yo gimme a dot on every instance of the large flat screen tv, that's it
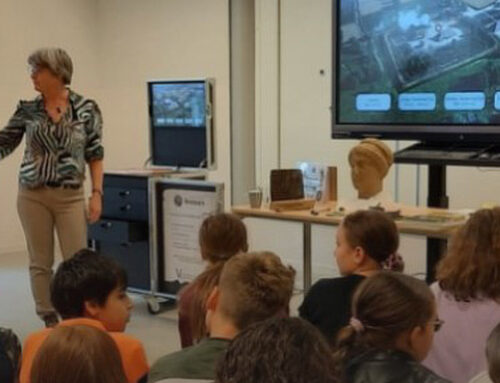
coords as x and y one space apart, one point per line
181 123
416 69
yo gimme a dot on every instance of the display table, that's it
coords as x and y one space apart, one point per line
427 222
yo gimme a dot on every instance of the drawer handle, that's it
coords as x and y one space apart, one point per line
125 244
126 207
124 193
106 225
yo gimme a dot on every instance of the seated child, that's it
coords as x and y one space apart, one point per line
252 287
89 289
365 240
78 354
221 236
278 350
10 354
492 374
467 293
493 354
391 330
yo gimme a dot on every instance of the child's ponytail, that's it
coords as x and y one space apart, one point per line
384 306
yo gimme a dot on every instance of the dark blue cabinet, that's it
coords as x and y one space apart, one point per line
122 233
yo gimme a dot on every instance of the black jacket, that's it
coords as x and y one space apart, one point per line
382 366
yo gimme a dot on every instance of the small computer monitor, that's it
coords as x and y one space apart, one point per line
181 122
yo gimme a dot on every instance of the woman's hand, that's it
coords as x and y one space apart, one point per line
94 208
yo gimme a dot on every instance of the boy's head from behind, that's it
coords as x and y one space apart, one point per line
221 236
90 285
365 239
252 287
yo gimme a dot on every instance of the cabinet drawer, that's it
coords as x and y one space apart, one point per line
118 232
123 203
134 258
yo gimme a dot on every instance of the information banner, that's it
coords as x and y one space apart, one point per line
183 213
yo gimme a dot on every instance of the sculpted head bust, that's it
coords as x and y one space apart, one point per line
370 161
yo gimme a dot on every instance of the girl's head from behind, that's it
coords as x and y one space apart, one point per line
471 268
493 354
222 236
390 311
365 239
78 354
278 350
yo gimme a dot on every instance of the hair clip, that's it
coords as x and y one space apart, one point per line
356 324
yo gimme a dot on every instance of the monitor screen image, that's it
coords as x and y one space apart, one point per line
406 68
179 104
180 123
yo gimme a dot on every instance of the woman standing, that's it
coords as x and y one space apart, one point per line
63 132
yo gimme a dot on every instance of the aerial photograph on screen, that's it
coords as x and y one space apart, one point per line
418 61
178 104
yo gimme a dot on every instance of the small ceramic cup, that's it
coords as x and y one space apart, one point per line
255 198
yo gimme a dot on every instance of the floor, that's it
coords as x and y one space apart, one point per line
158 332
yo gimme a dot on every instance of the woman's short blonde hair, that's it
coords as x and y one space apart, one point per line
55 59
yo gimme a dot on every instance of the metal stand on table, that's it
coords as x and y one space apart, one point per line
436 198
307 255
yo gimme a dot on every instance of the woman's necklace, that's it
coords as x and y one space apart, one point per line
56 108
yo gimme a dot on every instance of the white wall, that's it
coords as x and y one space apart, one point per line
267 101
116 46
24 26
160 39
242 99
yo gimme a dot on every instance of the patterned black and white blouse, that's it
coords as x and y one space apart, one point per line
55 153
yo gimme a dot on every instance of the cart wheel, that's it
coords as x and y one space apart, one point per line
153 305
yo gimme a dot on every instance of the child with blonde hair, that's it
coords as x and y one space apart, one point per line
252 287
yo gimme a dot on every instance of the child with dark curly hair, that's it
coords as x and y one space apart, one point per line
278 350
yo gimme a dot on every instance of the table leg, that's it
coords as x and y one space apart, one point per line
307 262
435 250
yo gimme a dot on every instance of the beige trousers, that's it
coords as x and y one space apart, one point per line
41 210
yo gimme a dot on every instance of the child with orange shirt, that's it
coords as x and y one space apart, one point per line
89 289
